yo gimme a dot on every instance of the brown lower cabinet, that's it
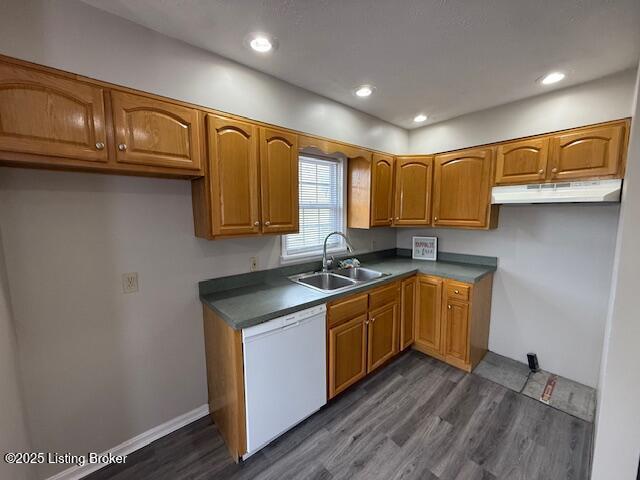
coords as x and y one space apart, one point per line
363 333
452 319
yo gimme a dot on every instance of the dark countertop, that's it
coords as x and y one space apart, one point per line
250 299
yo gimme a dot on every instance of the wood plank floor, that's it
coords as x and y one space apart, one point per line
416 418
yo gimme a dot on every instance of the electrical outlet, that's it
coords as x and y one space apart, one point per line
130 282
253 264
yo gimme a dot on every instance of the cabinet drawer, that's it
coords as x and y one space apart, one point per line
384 295
346 309
458 291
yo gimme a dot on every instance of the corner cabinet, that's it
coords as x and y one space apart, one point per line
413 191
462 189
452 320
246 164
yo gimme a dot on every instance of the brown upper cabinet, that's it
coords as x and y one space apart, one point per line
413 187
370 190
595 152
522 162
56 120
279 180
589 152
382 190
156 133
227 201
462 189
52 116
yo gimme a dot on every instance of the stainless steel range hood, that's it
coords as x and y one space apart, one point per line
565 192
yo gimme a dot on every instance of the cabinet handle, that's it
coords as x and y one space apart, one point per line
267 223
397 218
449 307
540 172
100 146
373 320
122 147
256 224
554 170
435 219
457 292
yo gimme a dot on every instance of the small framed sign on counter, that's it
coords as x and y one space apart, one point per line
425 248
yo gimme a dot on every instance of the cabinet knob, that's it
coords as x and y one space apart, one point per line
100 146
449 307
435 219
397 218
554 170
256 224
540 172
122 147
267 223
457 291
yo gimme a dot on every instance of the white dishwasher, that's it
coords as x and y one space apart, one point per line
285 374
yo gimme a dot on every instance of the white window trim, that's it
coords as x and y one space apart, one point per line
317 254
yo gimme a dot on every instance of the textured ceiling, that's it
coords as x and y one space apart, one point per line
445 58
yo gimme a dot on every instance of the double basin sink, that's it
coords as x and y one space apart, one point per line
337 280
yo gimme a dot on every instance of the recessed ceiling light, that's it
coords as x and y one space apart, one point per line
552 77
261 42
421 117
364 90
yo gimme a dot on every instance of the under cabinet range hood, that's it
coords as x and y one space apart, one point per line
564 192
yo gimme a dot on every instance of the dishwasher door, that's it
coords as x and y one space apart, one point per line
285 374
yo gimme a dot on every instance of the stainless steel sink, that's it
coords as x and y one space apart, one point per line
324 282
359 274
337 280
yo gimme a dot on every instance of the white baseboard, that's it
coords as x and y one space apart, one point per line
135 443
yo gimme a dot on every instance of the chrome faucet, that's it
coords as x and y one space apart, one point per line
324 249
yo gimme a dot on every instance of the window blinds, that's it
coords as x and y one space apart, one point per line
321 207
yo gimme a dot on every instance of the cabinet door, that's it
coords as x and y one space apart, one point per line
428 325
414 177
407 312
381 190
279 181
155 133
522 162
44 114
347 354
383 335
462 189
589 152
233 157
456 333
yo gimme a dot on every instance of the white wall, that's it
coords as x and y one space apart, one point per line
608 98
617 440
14 437
551 290
100 367
74 36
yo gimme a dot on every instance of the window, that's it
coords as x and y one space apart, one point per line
321 208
